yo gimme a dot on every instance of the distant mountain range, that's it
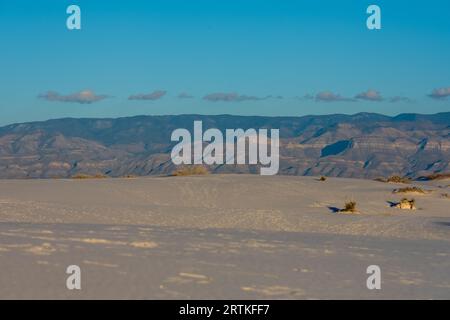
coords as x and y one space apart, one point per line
363 145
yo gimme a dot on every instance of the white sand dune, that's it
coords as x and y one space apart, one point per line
221 236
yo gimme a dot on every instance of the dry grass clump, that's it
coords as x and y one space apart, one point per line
87 176
398 179
445 195
409 190
323 178
350 207
394 179
406 204
190 171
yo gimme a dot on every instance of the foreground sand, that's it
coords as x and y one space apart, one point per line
221 236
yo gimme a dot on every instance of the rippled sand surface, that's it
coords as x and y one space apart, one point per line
222 236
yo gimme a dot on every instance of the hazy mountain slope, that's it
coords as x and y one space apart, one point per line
362 145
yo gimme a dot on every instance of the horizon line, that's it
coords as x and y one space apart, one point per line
226 114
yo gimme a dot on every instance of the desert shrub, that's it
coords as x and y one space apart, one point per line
349 206
409 190
322 178
190 171
398 179
407 204
445 195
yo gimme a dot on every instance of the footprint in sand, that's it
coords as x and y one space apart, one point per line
252 243
274 291
135 244
100 264
43 250
189 278
143 244
97 241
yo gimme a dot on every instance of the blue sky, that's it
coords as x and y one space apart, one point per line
247 57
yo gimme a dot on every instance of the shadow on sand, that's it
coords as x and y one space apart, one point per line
443 223
392 203
334 209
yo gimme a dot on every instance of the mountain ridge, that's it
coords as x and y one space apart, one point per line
363 145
